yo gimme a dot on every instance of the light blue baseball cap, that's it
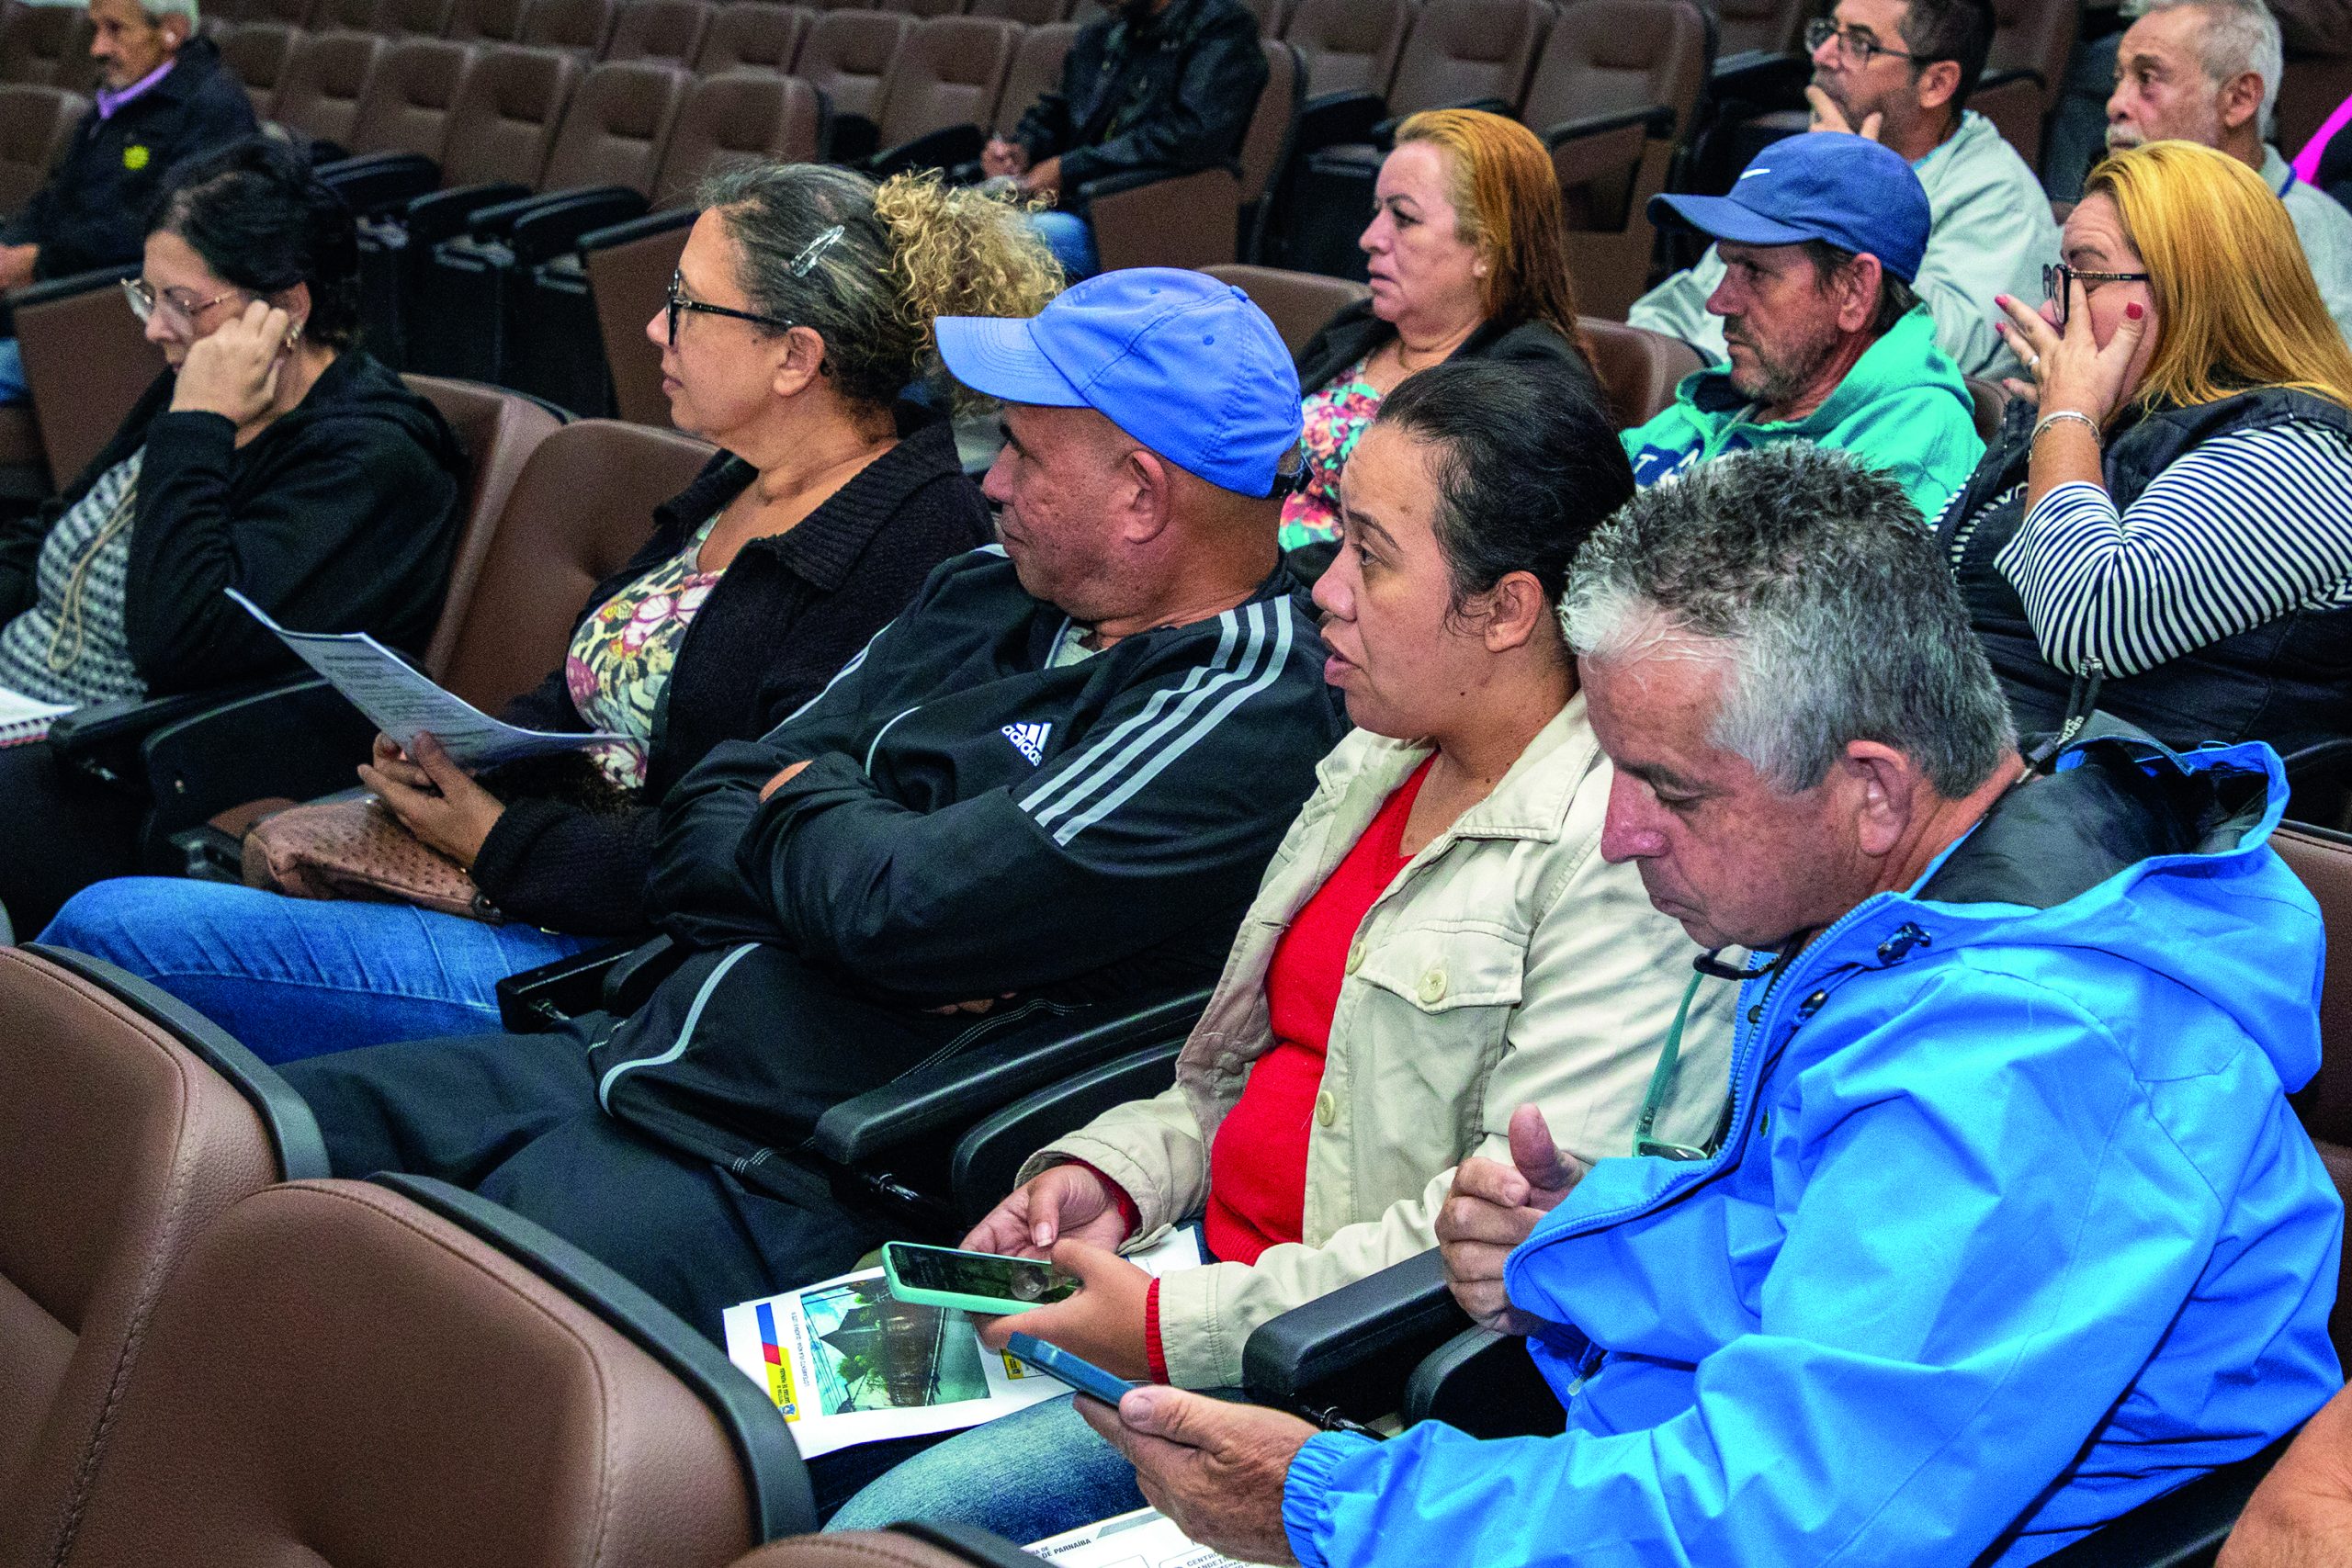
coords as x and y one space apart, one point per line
1182 363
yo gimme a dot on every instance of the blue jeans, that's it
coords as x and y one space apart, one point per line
12 373
1025 1477
293 977
1071 238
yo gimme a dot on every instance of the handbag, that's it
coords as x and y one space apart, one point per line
355 848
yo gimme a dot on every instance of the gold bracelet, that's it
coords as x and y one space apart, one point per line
2046 420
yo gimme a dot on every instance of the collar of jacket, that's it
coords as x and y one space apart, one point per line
1905 355
1163 30
825 547
1355 332
192 66
1531 801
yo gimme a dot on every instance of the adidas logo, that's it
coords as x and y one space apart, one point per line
1029 739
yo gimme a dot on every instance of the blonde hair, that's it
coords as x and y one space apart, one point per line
1507 203
2237 304
870 267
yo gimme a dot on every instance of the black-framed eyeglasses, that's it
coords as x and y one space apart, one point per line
1852 42
144 297
676 301
2058 278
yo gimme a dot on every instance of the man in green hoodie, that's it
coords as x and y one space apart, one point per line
1821 238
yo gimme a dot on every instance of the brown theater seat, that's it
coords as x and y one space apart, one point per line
2024 70
1638 369
1028 13
1298 303
1767 27
388 19
616 126
949 73
325 80
34 124
922 10
579 25
503 123
846 56
1349 45
669 31
256 54
1987 401
1197 220
48 46
87 360
1036 70
122 1137
739 117
343 1373
2323 858
1464 51
487 21
499 430
900 1546
410 98
752 33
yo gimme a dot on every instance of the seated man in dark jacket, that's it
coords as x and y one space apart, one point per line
1048 789
163 95
1158 86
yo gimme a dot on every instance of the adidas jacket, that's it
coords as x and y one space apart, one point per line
973 822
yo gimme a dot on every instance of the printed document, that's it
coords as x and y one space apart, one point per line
1145 1538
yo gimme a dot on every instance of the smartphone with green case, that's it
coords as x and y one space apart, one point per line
985 1282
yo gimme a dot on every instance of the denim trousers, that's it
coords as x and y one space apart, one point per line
1031 1474
1071 238
294 978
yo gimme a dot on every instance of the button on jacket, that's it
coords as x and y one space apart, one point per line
1507 964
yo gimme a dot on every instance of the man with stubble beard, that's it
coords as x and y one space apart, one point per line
1821 238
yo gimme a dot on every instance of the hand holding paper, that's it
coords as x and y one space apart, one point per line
447 809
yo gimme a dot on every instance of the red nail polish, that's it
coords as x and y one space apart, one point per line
2135 312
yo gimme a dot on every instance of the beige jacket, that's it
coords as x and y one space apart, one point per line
1507 963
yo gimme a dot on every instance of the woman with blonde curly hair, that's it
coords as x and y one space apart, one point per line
1467 260
800 314
2163 529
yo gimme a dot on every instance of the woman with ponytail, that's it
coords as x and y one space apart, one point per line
800 317
272 456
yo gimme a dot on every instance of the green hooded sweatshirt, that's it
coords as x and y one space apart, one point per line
1903 409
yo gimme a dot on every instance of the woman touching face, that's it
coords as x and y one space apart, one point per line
1423 273
1401 650
188 302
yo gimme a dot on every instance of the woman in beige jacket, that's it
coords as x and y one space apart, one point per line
1440 915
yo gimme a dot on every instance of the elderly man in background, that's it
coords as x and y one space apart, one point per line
1899 71
1819 241
2008 1228
162 94
2208 70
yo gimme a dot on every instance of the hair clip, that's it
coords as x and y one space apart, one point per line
816 248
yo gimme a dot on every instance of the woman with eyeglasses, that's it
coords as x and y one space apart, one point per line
273 456
1438 943
801 313
2162 530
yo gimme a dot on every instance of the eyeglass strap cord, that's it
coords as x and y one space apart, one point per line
1662 1075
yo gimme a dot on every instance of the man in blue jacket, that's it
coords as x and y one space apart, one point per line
2009 1228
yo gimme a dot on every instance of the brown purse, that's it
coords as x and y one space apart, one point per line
355 848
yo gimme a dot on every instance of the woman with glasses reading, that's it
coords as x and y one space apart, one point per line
1438 941
273 456
801 313
2163 529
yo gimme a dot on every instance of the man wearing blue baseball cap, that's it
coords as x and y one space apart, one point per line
1040 798
1820 238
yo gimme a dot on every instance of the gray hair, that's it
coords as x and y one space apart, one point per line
2240 36
1818 577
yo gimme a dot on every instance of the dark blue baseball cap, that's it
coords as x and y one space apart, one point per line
1820 185
1182 363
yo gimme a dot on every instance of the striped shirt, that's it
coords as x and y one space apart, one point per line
2232 535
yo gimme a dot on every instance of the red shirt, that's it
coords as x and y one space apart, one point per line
1258 1163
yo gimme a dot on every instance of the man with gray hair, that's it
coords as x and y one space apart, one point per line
2008 1226
2208 70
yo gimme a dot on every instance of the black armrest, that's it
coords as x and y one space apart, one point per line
2185 1526
990 1156
1657 122
542 999
1353 1349
103 739
1759 76
380 182
444 214
638 228
1329 119
1125 180
319 150
773 1474
958 1091
2014 73
301 741
285 1115
942 148
854 139
634 975
554 226
1485 1383
54 288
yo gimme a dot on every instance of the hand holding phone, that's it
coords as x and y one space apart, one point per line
984 1283
1076 1371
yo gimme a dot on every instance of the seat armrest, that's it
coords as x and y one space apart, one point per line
554 227
990 1156
2184 1528
631 981
1143 219
541 999
380 182
960 1090
1352 1349
300 741
443 215
103 739
853 138
1330 119
50 290
1759 76
1602 144
637 229
945 148
1483 1381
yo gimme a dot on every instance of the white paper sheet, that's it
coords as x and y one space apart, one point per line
1145 1538
402 702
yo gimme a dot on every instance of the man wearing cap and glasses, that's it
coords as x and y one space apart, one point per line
1900 71
1044 794
1820 239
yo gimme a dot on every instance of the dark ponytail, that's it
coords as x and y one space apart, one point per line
261 220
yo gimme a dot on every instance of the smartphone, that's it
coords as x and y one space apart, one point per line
975 1281
1076 1371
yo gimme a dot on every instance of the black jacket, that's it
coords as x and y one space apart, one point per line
338 517
1174 96
787 612
92 210
1356 331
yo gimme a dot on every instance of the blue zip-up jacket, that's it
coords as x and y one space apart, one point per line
2011 1231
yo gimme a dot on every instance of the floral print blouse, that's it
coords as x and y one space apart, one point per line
621 656
1335 415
